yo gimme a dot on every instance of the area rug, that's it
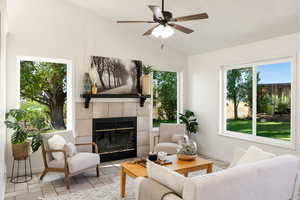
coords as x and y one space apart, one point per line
109 191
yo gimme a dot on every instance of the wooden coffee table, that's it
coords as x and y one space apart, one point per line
182 167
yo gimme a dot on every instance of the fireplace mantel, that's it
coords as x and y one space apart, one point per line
88 97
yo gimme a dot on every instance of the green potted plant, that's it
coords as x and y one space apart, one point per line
188 118
147 70
27 131
187 149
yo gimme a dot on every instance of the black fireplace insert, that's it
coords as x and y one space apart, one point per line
116 137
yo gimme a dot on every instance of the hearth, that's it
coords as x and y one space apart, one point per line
116 137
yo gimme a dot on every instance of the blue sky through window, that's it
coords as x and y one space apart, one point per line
274 73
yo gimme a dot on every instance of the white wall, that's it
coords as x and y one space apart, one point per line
58 29
2 96
204 91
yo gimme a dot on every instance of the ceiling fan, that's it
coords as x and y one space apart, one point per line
164 20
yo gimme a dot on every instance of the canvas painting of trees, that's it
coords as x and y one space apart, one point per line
116 76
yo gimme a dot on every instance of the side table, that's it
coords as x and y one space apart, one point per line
27 176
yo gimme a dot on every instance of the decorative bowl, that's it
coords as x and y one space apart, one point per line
186 157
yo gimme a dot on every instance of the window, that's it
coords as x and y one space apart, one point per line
257 101
164 97
43 91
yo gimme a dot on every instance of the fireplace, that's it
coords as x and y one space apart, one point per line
116 137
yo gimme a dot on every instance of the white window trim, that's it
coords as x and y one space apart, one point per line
70 83
253 137
179 97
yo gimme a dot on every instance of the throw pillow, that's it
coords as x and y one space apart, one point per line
166 177
254 154
57 142
237 154
177 137
70 148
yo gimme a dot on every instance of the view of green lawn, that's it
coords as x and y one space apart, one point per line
157 122
275 130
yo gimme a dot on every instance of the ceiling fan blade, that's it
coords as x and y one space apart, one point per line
157 12
121 22
191 17
150 30
181 28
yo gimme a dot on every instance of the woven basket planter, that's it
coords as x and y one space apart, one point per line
21 151
186 157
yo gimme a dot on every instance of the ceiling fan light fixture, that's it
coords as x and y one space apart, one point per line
163 31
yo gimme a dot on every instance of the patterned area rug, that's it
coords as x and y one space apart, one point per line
109 191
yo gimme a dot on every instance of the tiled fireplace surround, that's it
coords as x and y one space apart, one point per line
84 120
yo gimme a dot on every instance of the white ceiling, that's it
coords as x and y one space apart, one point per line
230 23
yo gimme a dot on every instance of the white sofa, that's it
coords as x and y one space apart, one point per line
271 179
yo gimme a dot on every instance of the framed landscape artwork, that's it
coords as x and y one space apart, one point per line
116 76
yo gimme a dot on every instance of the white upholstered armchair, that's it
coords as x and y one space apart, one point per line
69 165
168 137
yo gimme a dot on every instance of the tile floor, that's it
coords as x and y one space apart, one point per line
53 184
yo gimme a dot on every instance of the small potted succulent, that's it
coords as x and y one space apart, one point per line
187 149
27 131
146 86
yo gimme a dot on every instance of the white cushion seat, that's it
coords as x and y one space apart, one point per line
168 137
169 147
78 162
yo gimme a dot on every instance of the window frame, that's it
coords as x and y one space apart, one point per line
179 96
70 83
253 137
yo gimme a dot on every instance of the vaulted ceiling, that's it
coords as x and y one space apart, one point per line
230 23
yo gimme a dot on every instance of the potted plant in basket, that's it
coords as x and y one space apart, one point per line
187 149
27 131
146 86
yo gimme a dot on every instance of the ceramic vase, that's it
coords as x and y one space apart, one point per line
146 86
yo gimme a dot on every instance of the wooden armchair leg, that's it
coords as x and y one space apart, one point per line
97 170
67 181
43 174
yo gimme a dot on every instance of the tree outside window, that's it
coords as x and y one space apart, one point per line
44 92
164 97
271 117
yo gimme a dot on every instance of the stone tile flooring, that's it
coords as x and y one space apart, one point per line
53 185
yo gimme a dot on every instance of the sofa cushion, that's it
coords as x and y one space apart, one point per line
254 154
169 147
237 154
57 142
166 177
78 162
176 138
71 149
